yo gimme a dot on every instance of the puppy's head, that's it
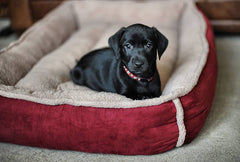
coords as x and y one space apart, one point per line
137 47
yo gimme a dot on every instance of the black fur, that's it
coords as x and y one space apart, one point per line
136 48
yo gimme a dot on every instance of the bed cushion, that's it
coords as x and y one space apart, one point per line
41 107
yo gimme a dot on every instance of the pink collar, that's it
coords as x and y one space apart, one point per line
136 77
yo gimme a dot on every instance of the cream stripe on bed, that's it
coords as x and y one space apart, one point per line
180 122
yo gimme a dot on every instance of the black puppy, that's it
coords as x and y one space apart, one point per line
128 67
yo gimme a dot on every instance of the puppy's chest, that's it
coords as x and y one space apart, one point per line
143 88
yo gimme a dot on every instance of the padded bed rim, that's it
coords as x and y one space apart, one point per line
11 92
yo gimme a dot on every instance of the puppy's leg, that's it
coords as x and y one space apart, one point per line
76 75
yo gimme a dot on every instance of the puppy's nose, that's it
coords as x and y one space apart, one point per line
138 63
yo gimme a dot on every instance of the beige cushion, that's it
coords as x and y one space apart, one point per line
37 66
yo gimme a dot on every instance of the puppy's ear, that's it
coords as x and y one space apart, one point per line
162 42
114 41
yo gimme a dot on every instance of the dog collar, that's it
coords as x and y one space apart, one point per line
136 77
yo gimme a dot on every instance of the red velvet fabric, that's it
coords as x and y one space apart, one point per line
118 131
145 130
198 102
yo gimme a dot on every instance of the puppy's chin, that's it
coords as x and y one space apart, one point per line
141 72
145 74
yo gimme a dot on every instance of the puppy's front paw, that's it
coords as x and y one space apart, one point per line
143 97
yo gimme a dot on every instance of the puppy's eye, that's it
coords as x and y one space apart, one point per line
128 46
148 45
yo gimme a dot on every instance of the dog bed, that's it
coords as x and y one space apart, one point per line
41 107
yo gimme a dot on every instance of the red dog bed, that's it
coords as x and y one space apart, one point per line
57 114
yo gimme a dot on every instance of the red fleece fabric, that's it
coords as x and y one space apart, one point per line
143 131
198 102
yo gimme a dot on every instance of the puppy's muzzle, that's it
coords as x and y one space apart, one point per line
137 63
